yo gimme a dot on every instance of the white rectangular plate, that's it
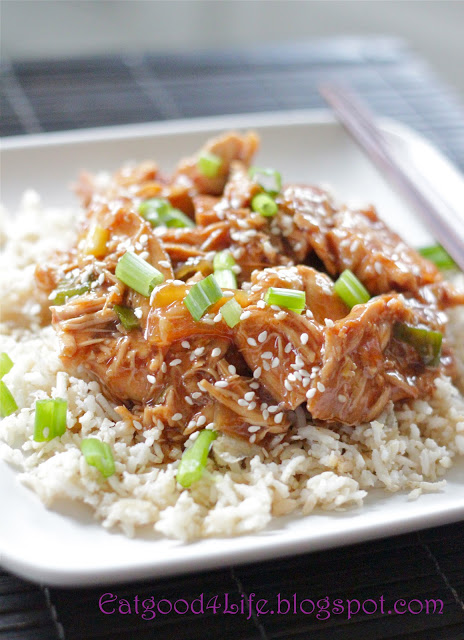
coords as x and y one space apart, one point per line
65 546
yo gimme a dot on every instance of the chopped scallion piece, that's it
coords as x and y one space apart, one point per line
288 298
160 212
269 179
177 218
96 241
350 289
231 312
226 279
438 256
136 273
62 294
127 317
427 343
201 296
6 364
7 402
209 164
264 204
50 419
223 260
98 454
193 461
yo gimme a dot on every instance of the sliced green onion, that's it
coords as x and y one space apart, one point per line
231 312
427 343
50 419
350 289
193 461
127 317
438 256
223 263
264 204
201 296
269 179
6 364
287 298
153 209
98 454
137 274
63 294
177 218
7 402
159 211
226 279
209 164
223 260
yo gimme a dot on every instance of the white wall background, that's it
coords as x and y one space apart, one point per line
58 28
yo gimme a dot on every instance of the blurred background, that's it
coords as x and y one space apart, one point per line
62 28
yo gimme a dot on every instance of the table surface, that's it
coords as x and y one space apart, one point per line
56 95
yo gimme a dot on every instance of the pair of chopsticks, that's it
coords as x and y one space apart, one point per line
444 222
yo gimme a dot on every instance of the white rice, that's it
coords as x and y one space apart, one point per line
406 450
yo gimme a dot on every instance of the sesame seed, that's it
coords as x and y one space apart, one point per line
201 421
232 370
253 429
217 317
242 402
196 395
188 400
164 367
281 315
254 385
262 336
306 381
304 338
320 387
249 395
267 355
252 342
275 363
378 267
162 263
310 393
199 351
329 322
261 304
228 294
175 362
252 406
273 408
252 438
266 366
279 417
138 312
265 413
257 372
245 315
221 384
216 352
185 344
177 416
288 347
342 398
288 386
291 377
151 379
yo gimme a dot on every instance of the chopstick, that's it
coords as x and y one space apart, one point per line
445 223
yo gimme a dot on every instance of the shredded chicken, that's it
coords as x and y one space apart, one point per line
339 365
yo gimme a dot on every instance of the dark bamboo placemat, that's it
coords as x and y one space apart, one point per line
55 95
